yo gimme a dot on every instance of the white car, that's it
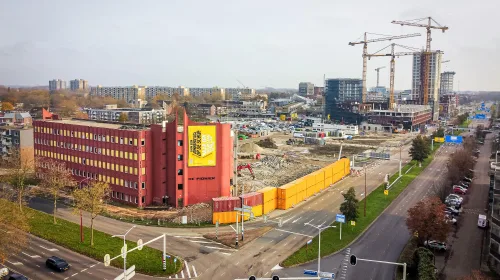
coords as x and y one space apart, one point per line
455 196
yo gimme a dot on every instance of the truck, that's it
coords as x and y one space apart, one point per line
482 221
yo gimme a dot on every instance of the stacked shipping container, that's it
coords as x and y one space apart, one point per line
287 196
223 209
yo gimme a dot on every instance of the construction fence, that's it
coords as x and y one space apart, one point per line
286 196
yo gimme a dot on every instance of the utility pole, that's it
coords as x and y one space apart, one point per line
366 196
235 157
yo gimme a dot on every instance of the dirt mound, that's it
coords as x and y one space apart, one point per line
267 143
250 148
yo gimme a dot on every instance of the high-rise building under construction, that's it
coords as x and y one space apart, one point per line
434 71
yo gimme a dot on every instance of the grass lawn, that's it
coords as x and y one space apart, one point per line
375 204
67 234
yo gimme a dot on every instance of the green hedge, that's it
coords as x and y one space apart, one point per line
377 202
67 234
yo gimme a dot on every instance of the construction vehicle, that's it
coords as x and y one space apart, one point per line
245 166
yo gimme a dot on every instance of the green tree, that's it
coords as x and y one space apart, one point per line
350 205
420 149
20 167
92 199
55 177
123 117
438 133
14 225
7 106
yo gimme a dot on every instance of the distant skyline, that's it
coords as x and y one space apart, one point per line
215 43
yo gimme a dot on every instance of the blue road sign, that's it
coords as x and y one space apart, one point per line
453 139
310 272
480 116
340 218
309 242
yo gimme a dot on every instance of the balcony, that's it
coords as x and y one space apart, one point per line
495 221
496 238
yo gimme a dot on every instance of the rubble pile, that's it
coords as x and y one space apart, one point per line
267 143
201 212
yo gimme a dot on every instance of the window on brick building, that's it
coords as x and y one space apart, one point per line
121 140
179 143
143 185
180 186
179 157
180 172
143 199
143 142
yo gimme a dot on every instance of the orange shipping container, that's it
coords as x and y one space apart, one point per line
286 191
269 206
301 196
287 203
224 217
269 193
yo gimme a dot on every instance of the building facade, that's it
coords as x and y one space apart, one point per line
408 117
134 115
207 91
16 138
17 118
433 83
306 89
78 84
319 91
340 95
152 92
447 82
165 164
239 93
125 93
57 85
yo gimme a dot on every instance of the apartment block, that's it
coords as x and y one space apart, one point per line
152 92
134 115
207 91
57 85
125 93
306 89
239 93
433 83
16 138
78 84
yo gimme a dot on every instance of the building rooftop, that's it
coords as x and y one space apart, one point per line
124 109
101 124
406 109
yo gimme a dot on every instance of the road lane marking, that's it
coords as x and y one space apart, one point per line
196 241
293 232
52 250
15 263
310 221
194 271
74 274
187 269
294 221
84 270
34 256
285 221
227 249
182 273
228 254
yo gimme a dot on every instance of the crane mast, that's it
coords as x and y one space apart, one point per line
425 55
378 73
365 54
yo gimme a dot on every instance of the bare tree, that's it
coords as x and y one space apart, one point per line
14 228
92 199
55 177
442 188
459 164
20 166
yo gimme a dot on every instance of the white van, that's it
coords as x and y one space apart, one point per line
482 221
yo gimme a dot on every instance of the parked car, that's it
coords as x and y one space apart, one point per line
57 264
453 210
16 276
467 179
459 190
436 245
482 221
464 184
455 196
451 219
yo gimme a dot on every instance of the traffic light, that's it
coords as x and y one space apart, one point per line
276 277
353 260
252 278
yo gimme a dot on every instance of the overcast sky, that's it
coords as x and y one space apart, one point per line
262 43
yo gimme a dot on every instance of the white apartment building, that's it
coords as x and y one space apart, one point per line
237 93
57 85
78 84
125 93
446 83
151 92
434 80
207 91
134 115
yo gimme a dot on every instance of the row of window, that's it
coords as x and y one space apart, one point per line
90 136
107 179
89 149
92 162
126 197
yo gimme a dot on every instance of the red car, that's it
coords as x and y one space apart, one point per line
459 190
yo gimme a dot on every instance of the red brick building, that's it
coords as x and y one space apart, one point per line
143 165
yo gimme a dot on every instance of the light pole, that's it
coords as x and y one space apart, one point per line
319 240
366 196
81 215
124 251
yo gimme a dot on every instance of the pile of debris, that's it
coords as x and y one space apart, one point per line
201 212
267 143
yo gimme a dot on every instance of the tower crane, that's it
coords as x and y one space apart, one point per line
378 72
425 60
393 56
365 52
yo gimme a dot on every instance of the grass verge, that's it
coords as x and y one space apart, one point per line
375 205
67 234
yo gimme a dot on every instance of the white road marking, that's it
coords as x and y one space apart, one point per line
182 273
196 241
187 269
185 236
310 221
227 249
294 221
293 232
34 256
225 253
52 250
285 221
84 270
15 263
194 271
74 274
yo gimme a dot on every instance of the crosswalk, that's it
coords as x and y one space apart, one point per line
342 272
209 244
189 272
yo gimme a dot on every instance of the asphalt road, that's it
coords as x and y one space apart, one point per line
386 238
31 263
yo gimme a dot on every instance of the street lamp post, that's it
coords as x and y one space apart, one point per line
125 251
319 240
